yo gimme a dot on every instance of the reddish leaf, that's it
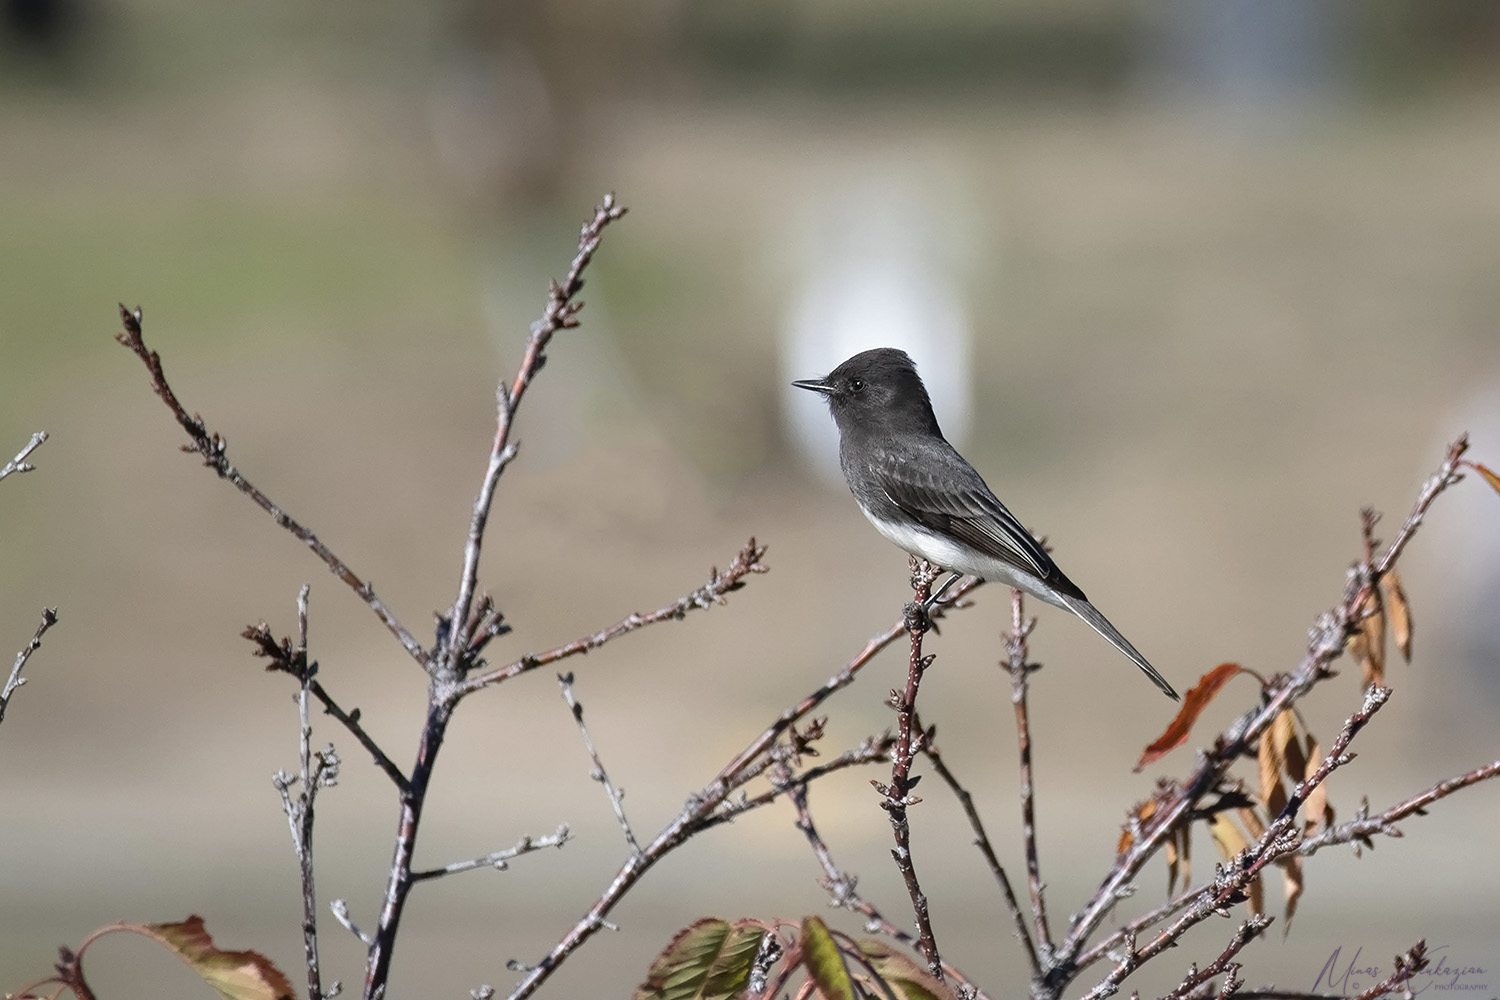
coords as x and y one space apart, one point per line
1193 703
236 975
1489 477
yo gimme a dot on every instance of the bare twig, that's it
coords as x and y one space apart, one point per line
1326 644
1225 963
213 449
19 463
896 796
1407 966
15 680
615 794
498 860
1363 826
299 808
842 890
708 806
982 841
746 562
341 913
1019 670
560 313
284 659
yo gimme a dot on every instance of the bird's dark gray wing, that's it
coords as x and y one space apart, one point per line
944 494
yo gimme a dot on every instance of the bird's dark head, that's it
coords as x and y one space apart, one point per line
875 387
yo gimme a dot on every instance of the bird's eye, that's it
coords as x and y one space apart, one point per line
856 385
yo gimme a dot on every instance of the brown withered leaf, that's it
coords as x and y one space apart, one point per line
1367 645
1231 843
898 975
1489 477
1271 757
1317 811
1193 703
1292 886
1398 610
1143 812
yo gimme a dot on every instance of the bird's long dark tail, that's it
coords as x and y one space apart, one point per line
1083 609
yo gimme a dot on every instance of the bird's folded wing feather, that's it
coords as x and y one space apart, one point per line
949 497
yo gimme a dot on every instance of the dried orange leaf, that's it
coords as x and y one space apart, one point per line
235 975
1398 610
824 962
1489 477
1367 645
1231 842
1143 812
1272 761
1193 704
901 976
1316 810
1291 872
708 960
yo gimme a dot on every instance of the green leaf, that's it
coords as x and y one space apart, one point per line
900 974
709 960
824 961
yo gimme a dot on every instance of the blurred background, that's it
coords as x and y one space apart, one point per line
1192 281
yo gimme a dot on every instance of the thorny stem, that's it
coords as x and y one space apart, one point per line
897 795
213 449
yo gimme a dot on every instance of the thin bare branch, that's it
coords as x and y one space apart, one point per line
560 313
1363 826
703 809
19 463
1326 644
498 860
15 680
615 794
287 660
213 449
897 796
1016 665
982 841
843 893
714 592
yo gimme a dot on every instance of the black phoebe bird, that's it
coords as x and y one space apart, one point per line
921 494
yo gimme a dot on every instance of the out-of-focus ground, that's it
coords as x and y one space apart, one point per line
1212 311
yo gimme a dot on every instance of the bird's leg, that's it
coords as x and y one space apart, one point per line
953 578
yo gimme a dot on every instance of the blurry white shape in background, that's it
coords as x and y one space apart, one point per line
878 266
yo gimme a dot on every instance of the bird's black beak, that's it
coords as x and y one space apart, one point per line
814 384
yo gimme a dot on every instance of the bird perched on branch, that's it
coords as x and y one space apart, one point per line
921 494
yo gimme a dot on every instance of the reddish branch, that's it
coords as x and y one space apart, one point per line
897 795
